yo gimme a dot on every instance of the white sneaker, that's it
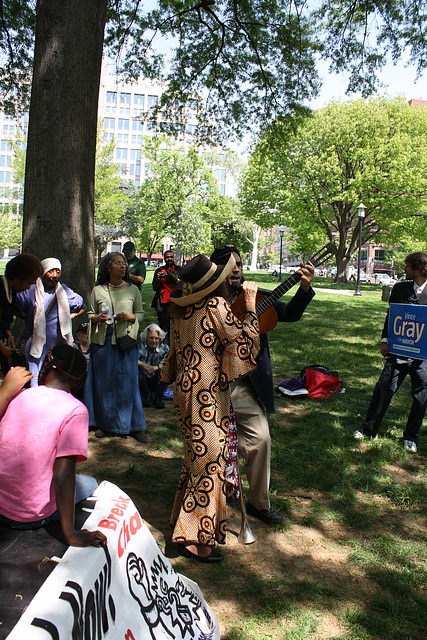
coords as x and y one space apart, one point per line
359 435
409 445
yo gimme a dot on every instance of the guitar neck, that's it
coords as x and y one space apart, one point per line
315 260
266 302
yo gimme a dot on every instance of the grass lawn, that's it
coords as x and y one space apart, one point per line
348 562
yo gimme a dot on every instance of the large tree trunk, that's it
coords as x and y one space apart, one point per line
60 168
342 264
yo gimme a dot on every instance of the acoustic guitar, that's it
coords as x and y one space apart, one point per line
265 299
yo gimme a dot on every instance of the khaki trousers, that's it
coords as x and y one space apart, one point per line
254 442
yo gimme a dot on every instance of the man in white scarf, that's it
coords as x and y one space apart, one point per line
49 308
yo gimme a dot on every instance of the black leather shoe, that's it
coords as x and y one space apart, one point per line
266 515
140 436
159 403
215 556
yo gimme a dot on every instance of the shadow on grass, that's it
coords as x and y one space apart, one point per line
354 542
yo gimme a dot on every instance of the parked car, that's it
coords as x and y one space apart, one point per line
381 278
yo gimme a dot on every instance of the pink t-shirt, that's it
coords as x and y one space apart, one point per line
39 425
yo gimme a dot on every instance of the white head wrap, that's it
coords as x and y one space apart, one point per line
51 263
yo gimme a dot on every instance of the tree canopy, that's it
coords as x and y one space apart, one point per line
252 61
176 198
313 175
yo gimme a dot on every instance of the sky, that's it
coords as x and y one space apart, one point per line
399 80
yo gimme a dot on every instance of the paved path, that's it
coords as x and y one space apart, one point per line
342 292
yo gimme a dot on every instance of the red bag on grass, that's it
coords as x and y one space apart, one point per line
321 382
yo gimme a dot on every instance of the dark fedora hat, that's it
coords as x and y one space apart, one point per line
194 277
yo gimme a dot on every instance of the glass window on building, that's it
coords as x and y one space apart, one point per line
137 125
123 124
109 123
125 98
151 126
136 139
152 101
112 97
379 254
8 128
5 161
123 137
138 99
121 153
193 105
4 176
222 189
135 154
6 145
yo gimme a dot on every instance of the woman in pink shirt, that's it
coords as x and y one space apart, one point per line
43 434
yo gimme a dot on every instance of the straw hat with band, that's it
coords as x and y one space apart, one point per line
197 272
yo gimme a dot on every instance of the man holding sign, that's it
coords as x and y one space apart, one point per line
412 291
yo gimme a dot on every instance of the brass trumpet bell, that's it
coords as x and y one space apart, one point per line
246 535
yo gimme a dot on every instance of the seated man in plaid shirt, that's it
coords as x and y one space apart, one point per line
152 354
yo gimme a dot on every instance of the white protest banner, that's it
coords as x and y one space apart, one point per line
407 335
127 590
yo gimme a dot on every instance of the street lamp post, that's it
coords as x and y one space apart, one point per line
361 209
281 232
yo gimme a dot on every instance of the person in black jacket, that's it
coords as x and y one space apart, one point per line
164 280
21 272
410 291
253 397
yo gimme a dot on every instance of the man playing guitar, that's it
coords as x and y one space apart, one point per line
253 396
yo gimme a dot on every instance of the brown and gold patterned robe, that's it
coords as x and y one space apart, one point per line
209 348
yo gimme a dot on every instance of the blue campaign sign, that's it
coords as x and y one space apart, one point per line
407 330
